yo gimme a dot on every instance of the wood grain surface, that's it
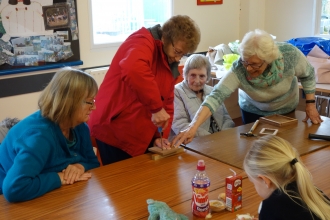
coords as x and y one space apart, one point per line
229 147
318 164
278 120
120 190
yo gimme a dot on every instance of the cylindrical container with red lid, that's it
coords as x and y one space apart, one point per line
200 191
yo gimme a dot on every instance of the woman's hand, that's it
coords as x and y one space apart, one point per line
166 143
188 134
185 137
73 172
84 176
312 114
160 119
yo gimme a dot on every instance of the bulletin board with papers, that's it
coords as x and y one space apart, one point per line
37 35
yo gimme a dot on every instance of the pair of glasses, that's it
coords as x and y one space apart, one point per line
253 66
176 52
90 103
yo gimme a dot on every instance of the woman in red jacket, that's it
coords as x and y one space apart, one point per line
136 95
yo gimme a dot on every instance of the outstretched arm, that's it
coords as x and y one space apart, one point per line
188 134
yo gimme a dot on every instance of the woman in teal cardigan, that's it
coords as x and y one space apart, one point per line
266 77
52 146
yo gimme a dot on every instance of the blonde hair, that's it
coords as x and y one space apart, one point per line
260 43
65 94
271 156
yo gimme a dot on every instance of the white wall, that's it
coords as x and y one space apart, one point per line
251 16
19 106
288 19
218 23
285 19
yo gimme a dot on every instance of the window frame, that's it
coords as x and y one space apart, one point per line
317 21
113 44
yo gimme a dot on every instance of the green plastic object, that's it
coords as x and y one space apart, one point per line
229 59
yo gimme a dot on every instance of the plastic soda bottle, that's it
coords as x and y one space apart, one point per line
200 191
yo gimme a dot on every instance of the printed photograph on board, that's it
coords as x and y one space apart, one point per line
56 16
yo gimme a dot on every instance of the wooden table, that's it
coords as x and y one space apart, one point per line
318 164
230 147
120 190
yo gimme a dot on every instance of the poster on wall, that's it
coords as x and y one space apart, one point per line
37 33
56 16
21 18
209 2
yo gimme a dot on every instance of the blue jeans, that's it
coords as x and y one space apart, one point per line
248 117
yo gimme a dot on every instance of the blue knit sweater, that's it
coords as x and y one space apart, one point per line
34 151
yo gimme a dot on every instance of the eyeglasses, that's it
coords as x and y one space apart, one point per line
90 103
253 66
176 52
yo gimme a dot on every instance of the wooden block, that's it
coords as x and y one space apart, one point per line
157 156
278 120
159 151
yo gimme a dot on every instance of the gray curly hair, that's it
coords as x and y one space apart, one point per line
5 125
9 122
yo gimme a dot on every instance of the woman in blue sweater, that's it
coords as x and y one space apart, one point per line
51 147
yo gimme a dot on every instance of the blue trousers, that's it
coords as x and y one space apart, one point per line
248 117
110 154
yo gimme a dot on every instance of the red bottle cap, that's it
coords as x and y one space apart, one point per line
201 165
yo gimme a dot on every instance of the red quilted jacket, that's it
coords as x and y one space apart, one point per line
138 83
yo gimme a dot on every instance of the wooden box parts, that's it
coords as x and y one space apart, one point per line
278 120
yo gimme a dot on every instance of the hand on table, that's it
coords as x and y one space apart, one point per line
160 119
166 143
72 173
312 114
84 176
184 137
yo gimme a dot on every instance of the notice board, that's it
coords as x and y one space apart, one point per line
37 35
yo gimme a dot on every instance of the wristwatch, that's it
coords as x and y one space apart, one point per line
310 101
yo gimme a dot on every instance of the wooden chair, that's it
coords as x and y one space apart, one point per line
97 153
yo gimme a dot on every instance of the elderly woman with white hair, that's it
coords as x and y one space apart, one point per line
266 76
189 95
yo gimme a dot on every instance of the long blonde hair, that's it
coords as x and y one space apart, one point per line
271 156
